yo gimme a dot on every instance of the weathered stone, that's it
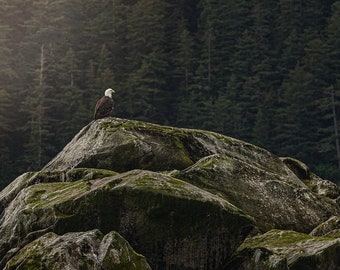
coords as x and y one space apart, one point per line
250 177
300 169
323 187
32 178
184 198
9 192
173 223
329 228
281 250
313 182
78 250
121 145
275 199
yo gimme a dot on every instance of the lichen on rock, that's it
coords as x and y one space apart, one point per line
329 228
313 182
277 249
276 199
78 250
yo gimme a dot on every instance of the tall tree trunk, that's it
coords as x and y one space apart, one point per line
336 133
40 110
42 60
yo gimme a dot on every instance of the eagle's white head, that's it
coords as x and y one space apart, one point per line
108 92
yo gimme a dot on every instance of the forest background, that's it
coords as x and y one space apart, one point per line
264 71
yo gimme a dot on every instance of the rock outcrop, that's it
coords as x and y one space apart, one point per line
78 250
287 250
184 199
156 213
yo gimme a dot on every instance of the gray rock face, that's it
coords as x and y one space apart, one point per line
251 178
278 250
121 145
78 250
171 222
28 179
316 184
275 199
329 228
185 199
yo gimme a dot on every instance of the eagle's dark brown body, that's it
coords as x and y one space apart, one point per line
103 108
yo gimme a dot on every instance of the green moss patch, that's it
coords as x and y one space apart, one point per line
278 249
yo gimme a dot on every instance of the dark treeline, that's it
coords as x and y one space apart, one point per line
264 71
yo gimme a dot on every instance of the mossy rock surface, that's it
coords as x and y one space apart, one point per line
278 250
250 177
121 145
171 222
32 178
184 198
78 250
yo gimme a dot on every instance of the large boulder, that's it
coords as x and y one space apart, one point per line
78 250
315 183
329 228
121 145
32 178
183 198
171 222
250 177
276 199
281 250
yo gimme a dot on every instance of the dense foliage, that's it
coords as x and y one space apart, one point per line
263 71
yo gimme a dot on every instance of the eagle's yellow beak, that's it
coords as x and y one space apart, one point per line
113 91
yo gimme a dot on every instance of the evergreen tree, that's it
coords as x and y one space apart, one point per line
298 136
5 131
184 81
244 105
219 29
35 149
185 60
328 65
329 145
333 49
146 86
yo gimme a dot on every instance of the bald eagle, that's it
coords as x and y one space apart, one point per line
104 105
